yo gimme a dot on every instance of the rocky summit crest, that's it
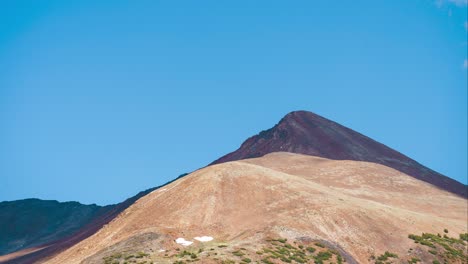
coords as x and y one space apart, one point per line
307 133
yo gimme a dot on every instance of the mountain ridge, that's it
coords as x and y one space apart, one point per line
304 132
31 222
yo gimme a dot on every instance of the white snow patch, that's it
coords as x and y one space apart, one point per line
183 242
162 250
203 238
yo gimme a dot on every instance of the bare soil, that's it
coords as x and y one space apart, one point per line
361 208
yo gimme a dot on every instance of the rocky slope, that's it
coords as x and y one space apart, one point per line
357 208
304 132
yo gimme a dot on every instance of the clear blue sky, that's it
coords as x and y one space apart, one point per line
102 99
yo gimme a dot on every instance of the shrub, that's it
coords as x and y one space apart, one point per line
464 236
238 253
413 260
141 254
386 256
324 255
288 246
318 244
267 261
311 249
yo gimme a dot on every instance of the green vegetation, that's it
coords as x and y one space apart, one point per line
414 260
443 249
464 236
298 253
311 249
272 251
183 254
238 253
266 261
384 258
139 257
450 249
339 259
321 256
318 244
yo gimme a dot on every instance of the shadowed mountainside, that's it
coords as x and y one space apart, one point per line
38 251
32 222
88 227
304 132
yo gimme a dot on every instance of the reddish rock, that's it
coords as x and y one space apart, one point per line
307 133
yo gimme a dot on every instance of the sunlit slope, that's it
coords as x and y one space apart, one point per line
365 208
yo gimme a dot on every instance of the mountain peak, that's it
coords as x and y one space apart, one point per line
300 116
307 133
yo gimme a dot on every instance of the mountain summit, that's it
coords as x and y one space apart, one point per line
307 133
336 203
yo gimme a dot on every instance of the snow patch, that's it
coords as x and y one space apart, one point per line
203 238
183 242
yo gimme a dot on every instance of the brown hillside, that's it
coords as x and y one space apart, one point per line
362 208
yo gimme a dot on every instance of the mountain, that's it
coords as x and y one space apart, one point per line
45 245
32 222
333 193
304 132
281 208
